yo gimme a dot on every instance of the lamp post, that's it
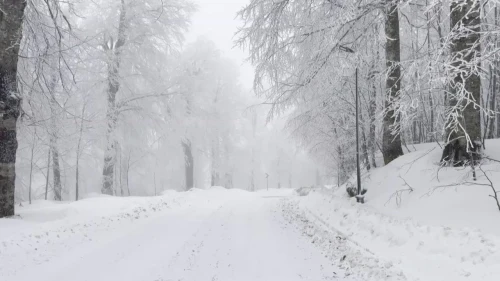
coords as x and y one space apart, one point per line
359 197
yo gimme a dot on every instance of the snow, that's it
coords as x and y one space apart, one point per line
213 234
438 227
444 229
440 196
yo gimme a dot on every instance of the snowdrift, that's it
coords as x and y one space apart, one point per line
429 222
415 186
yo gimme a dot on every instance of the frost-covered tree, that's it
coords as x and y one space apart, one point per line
464 120
141 27
304 56
391 143
208 87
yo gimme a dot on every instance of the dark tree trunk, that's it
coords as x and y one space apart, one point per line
464 50
364 143
188 164
493 99
491 103
11 19
372 109
391 144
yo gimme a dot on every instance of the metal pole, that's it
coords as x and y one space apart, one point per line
358 172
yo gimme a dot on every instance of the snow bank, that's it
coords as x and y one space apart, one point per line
431 223
414 186
46 229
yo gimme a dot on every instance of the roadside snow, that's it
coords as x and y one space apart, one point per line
441 196
422 221
420 252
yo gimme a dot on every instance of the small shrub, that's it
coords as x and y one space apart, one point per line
303 191
352 190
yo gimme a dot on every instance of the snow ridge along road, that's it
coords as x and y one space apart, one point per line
212 235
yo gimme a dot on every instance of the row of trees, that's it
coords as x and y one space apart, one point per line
428 72
108 99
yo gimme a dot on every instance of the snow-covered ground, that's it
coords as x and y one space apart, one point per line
211 234
420 222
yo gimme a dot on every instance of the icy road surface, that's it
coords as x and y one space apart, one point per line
245 238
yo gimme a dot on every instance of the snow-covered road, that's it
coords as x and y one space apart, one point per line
245 238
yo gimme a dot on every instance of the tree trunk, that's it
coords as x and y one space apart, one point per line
364 144
215 180
254 129
465 48
78 152
54 139
120 176
127 170
48 174
228 180
188 164
493 101
372 109
56 171
497 101
114 51
391 144
31 165
77 176
11 19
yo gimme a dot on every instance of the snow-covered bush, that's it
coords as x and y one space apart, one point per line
352 190
303 191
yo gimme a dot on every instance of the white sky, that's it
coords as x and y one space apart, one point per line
216 20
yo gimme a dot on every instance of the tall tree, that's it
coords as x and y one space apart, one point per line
464 128
54 137
391 143
11 19
146 33
114 50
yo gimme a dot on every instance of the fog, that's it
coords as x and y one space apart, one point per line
136 98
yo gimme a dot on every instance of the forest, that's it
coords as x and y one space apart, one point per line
428 72
249 140
103 96
110 99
